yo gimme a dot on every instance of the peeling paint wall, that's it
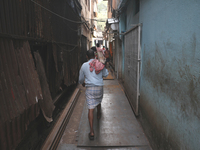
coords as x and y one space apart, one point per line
170 73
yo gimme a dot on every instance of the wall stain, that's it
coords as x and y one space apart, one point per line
181 89
194 45
154 130
180 81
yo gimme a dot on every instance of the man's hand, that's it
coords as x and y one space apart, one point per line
83 84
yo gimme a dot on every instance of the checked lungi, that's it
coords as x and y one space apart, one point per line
94 96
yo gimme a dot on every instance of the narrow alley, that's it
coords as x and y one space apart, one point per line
53 76
118 127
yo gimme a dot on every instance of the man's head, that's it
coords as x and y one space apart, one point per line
97 45
90 54
94 48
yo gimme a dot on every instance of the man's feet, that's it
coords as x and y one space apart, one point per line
91 136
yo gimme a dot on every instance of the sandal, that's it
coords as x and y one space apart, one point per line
91 137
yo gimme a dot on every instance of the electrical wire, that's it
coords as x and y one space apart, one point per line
56 13
66 18
66 49
70 27
98 20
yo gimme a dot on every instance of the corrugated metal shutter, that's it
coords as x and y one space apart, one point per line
83 49
131 66
20 91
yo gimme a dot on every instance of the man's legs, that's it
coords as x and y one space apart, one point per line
99 108
90 118
99 111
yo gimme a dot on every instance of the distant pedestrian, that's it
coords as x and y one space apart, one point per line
100 54
104 48
99 49
91 75
95 51
107 56
94 48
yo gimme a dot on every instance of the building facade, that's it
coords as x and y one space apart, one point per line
88 15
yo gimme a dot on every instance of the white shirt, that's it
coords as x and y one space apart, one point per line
91 78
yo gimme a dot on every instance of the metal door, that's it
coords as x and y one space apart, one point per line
132 66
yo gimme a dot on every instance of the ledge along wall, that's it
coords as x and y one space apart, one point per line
170 73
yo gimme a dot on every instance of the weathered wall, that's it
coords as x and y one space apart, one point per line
112 5
20 91
132 14
170 75
86 14
26 27
129 17
122 29
118 47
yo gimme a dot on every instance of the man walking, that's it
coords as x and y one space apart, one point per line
107 56
100 54
92 72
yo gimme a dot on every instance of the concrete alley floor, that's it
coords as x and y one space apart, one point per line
117 129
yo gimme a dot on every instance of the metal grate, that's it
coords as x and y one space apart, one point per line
131 66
